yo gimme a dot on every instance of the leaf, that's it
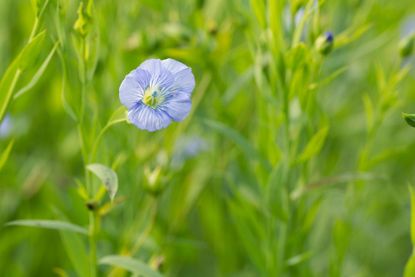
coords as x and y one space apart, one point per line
66 105
409 118
38 73
9 80
49 224
5 155
107 176
131 265
8 95
314 145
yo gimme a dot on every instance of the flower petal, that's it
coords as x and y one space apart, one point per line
183 76
160 77
173 66
147 118
177 106
185 80
133 86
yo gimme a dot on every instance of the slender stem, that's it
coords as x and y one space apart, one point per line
34 29
93 217
97 141
3 106
93 227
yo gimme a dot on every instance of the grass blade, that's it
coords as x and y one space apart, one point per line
5 155
314 145
38 73
49 224
12 74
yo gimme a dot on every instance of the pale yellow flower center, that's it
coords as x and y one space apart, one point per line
153 97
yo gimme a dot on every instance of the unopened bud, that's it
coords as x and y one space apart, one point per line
324 43
409 118
406 45
83 22
153 183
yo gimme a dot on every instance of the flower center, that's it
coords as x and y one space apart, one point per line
153 97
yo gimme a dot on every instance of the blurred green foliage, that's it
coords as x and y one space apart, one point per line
305 163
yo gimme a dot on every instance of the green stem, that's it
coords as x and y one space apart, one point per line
3 106
34 29
93 230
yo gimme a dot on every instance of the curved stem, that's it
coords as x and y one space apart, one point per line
93 228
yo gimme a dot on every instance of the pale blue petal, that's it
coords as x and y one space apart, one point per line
183 76
133 86
147 118
184 80
173 66
160 76
177 106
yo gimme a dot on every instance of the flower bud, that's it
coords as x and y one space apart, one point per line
324 43
153 183
83 22
406 45
409 118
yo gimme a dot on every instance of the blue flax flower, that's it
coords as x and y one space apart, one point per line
157 93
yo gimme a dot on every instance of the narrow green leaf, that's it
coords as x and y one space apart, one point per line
8 95
134 266
409 118
5 155
66 105
38 73
9 80
49 224
107 176
314 145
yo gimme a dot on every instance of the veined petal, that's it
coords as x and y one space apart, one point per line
184 80
177 106
173 66
183 76
133 86
147 118
160 77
